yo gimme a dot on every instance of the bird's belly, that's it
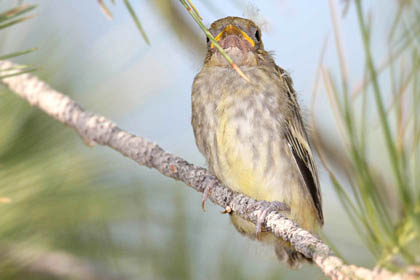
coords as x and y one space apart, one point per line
257 163
252 160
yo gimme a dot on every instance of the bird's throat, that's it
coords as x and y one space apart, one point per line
239 56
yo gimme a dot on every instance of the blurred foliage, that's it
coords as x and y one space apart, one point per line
137 21
63 201
172 15
46 207
60 208
377 176
8 18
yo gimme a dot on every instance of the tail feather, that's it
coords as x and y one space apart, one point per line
284 251
290 256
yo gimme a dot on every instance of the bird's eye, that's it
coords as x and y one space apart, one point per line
257 35
207 39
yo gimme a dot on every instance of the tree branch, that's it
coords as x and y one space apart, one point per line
54 264
97 129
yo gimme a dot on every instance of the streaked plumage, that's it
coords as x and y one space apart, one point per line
251 133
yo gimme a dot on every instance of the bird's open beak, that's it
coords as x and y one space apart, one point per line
233 31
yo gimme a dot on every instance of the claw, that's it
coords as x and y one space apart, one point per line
275 205
260 221
204 198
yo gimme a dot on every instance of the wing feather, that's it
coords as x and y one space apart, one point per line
299 145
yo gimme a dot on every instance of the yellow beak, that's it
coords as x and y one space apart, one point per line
233 30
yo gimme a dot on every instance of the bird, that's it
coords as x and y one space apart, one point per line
252 134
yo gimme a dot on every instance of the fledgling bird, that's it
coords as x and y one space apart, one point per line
252 134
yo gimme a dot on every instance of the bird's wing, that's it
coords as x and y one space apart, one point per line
299 146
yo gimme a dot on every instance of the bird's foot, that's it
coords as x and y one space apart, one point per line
266 207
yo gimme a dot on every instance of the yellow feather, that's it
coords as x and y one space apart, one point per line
241 174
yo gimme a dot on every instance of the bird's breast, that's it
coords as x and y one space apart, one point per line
250 147
241 131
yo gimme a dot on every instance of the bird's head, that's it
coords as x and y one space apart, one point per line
240 38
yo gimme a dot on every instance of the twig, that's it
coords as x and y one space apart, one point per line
97 129
105 10
54 264
196 16
137 21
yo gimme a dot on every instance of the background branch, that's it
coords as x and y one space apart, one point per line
54 264
94 128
